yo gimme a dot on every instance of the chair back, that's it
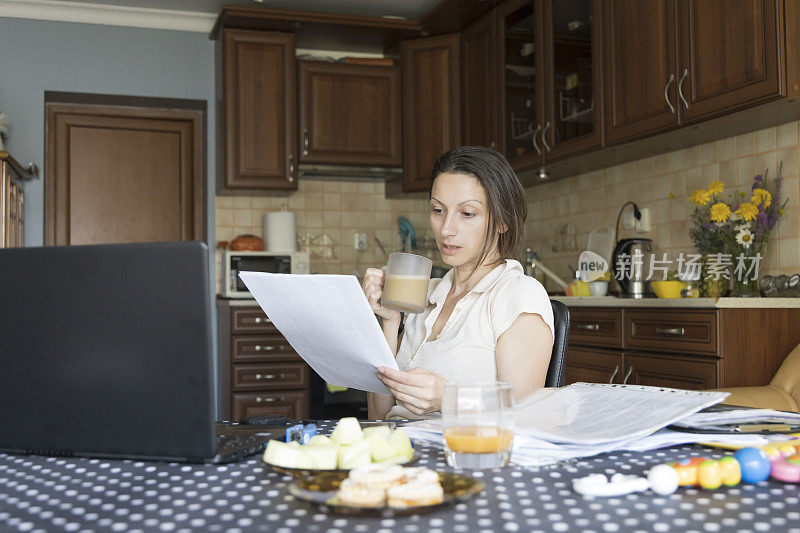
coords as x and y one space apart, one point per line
555 372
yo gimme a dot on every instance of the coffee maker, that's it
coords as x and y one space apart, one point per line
630 264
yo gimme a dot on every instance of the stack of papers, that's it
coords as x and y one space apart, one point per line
585 419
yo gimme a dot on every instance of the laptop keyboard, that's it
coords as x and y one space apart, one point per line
231 448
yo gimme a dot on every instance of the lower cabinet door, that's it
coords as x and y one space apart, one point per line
592 365
291 404
673 371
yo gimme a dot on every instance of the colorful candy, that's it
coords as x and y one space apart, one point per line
754 463
787 469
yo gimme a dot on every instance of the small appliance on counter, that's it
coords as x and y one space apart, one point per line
631 275
273 262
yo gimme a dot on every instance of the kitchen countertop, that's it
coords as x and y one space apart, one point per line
708 303
613 301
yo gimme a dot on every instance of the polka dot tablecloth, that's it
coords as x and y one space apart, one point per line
56 494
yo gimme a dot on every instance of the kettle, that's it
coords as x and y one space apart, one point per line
629 267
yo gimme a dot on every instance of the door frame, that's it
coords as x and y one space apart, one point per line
56 193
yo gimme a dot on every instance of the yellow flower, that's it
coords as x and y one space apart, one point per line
700 197
747 211
720 212
759 195
716 187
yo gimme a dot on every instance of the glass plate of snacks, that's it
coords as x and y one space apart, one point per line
398 500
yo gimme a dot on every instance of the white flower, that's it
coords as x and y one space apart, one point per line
734 217
744 237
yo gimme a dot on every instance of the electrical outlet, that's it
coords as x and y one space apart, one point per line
360 241
628 220
643 224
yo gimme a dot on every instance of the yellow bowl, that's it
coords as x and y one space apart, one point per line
667 289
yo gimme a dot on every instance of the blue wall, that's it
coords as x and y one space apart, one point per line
39 56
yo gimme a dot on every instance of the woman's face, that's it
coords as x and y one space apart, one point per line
459 215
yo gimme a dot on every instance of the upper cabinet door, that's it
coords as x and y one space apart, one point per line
521 44
258 86
431 105
639 67
729 55
349 114
573 79
480 87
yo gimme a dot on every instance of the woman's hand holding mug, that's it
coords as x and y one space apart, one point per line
374 280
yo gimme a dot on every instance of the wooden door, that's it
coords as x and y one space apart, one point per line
257 130
729 55
593 365
349 114
431 105
678 372
123 174
480 73
639 64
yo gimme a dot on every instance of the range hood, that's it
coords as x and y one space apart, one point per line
344 172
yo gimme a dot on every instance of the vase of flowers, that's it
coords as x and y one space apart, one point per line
732 229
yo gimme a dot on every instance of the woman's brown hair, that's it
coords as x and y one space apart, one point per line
504 193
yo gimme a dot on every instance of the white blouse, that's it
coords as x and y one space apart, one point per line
465 348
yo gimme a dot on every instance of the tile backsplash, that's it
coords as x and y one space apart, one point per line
561 214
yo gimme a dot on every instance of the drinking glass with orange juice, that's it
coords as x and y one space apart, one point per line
477 424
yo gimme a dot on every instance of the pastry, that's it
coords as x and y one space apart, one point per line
420 474
356 495
378 475
414 494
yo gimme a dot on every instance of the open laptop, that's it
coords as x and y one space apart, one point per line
107 351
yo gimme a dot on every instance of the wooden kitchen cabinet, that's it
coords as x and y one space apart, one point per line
479 74
674 62
256 110
259 372
532 80
729 55
431 105
349 114
688 348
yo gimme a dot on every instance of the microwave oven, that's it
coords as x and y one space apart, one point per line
274 262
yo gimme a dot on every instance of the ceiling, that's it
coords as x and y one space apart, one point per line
410 9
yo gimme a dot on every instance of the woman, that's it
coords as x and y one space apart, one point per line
485 319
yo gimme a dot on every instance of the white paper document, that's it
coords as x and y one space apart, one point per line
329 323
596 413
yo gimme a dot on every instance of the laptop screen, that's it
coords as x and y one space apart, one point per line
106 350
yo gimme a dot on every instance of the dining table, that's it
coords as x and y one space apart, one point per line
43 493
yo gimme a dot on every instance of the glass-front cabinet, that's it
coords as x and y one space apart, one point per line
550 88
521 93
574 84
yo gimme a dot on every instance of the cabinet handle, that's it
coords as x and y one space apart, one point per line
492 144
544 141
666 96
625 380
268 376
533 139
588 327
291 168
680 88
269 399
260 319
614 374
671 331
266 348
305 141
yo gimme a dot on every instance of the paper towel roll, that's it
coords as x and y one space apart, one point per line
280 232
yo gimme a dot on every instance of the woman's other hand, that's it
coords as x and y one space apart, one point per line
374 278
418 390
